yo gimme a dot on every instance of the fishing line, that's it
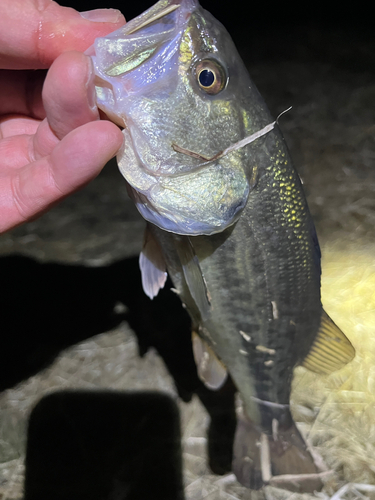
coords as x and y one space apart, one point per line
250 138
238 145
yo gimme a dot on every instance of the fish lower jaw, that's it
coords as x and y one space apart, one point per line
182 226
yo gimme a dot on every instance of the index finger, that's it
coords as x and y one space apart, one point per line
34 32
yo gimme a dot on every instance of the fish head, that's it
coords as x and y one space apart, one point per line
172 78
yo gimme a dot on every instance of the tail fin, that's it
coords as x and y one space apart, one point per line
281 459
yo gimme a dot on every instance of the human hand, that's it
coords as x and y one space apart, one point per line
51 139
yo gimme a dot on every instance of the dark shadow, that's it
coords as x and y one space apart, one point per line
45 308
48 307
280 30
104 446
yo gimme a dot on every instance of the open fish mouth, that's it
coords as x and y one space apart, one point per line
185 159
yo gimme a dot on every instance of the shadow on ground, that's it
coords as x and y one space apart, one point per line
48 307
104 445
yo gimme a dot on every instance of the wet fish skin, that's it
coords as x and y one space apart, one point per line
235 232
263 280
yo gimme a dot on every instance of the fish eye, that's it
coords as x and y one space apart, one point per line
210 76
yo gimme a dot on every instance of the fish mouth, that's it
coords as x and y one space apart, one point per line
122 51
177 189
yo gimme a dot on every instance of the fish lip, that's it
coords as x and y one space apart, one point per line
132 30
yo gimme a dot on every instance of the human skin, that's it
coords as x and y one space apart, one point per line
52 141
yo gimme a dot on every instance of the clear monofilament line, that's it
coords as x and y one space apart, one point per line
238 145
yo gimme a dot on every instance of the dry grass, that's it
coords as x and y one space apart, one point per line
341 422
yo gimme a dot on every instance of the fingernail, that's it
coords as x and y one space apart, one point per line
91 94
102 15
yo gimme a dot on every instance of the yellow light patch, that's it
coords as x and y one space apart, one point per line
344 430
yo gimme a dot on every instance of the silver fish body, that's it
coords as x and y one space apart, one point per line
147 82
232 227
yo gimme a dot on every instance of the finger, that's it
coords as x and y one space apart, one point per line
17 151
43 142
14 153
76 160
34 32
21 92
12 125
69 93
81 155
69 101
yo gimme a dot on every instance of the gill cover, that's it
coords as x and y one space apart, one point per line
166 78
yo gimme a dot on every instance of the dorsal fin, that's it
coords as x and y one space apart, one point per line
331 349
152 265
210 369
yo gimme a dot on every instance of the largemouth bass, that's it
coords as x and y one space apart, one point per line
227 218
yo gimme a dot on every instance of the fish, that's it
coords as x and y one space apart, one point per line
227 219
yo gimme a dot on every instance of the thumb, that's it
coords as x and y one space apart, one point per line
34 32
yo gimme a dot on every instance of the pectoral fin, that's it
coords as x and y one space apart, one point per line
193 274
331 349
152 265
211 371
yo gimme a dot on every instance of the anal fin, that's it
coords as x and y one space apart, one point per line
152 265
210 369
331 349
